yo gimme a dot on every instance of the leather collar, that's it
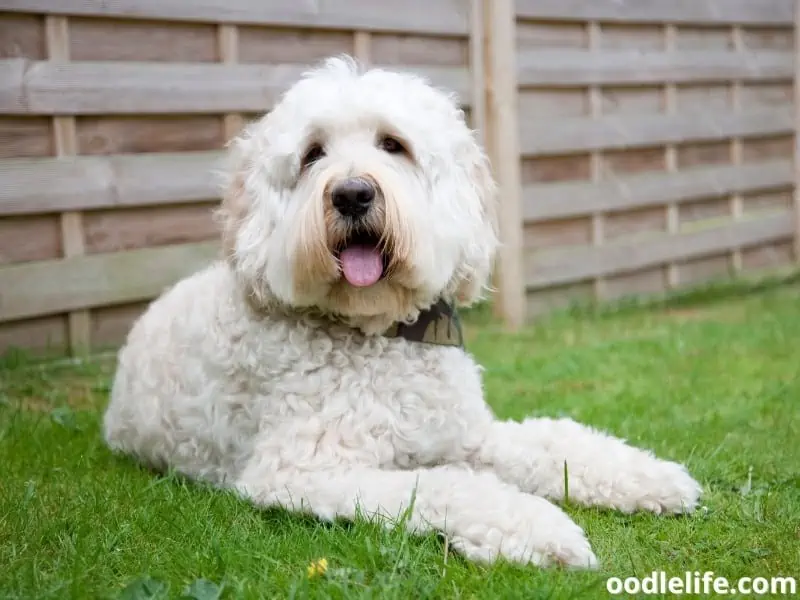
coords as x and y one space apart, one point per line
439 324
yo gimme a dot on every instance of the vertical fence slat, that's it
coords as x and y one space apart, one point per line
362 47
671 156
594 32
477 69
736 147
66 144
228 48
504 148
797 130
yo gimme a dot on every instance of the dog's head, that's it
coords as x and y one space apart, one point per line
363 195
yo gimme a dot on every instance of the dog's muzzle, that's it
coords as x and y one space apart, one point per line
361 255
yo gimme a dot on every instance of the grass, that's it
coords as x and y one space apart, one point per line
711 381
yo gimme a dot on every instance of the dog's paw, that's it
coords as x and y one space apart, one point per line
537 533
669 488
645 484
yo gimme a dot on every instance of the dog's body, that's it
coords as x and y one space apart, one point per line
269 372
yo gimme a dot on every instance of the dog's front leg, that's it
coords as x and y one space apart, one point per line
558 457
483 517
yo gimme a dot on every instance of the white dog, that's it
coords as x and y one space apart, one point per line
319 368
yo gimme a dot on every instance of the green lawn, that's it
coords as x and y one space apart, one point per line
711 381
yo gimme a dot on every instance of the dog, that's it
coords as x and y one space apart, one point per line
319 365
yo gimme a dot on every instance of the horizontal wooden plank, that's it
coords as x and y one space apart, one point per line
558 267
583 134
79 282
547 201
567 67
46 185
50 185
445 17
52 88
699 12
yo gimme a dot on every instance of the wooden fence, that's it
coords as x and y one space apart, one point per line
641 145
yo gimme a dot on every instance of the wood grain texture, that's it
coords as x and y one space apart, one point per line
560 67
594 34
550 268
82 183
28 238
275 45
584 134
26 137
797 135
82 282
122 229
22 36
139 134
79 88
504 151
57 42
671 157
440 16
547 201
127 40
111 324
707 12
44 335
43 87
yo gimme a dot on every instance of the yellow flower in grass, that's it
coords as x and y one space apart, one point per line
317 568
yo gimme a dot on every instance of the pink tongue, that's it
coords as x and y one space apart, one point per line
361 265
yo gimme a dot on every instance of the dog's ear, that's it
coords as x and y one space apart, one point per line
235 203
230 214
474 276
244 237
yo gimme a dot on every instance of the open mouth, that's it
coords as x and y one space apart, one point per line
362 259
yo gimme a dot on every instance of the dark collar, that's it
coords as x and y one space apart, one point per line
437 325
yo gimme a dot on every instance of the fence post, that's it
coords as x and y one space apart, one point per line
502 143
796 102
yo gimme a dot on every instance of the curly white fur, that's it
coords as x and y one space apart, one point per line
266 372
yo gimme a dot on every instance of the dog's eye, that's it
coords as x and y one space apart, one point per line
392 145
313 154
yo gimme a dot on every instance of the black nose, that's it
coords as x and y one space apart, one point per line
352 197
